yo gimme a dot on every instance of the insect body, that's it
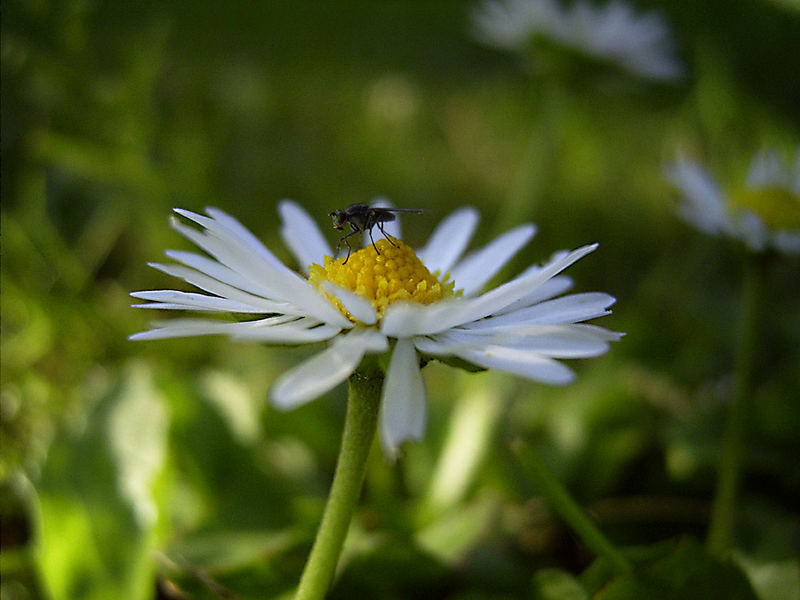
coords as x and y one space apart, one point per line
361 217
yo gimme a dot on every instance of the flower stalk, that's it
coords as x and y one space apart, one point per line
723 509
363 405
568 509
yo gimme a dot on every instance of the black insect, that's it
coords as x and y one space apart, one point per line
361 217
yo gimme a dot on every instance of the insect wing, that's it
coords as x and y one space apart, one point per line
381 215
406 210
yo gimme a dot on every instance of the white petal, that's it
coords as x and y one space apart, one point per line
479 267
449 240
232 227
614 32
358 306
578 331
226 249
556 341
193 327
301 235
233 254
211 270
600 333
327 369
530 365
567 309
279 282
546 291
787 242
403 408
209 284
304 295
231 232
276 330
174 300
751 229
524 363
374 341
177 328
256 273
403 320
408 319
767 170
295 332
520 287
219 288
704 206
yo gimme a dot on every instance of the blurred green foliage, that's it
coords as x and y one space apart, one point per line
131 469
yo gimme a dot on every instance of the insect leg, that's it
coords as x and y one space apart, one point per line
386 235
349 250
346 241
372 240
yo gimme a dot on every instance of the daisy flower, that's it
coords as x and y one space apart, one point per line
763 213
612 34
385 299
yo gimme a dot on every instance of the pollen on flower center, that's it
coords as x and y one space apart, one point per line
393 274
779 208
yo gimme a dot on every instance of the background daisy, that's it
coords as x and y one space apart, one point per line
613 33
763 212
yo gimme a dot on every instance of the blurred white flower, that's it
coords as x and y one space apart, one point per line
640 44
764 213
395 301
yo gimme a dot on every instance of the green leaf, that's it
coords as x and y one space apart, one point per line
235 405
225 551
394 569
553 584
451 536
686 572
97 517
773 579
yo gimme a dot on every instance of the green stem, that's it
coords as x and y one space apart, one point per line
723 509
359 431
569 510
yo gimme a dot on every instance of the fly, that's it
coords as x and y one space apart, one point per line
361 217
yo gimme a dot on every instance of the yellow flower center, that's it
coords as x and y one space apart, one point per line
778 207
393 274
